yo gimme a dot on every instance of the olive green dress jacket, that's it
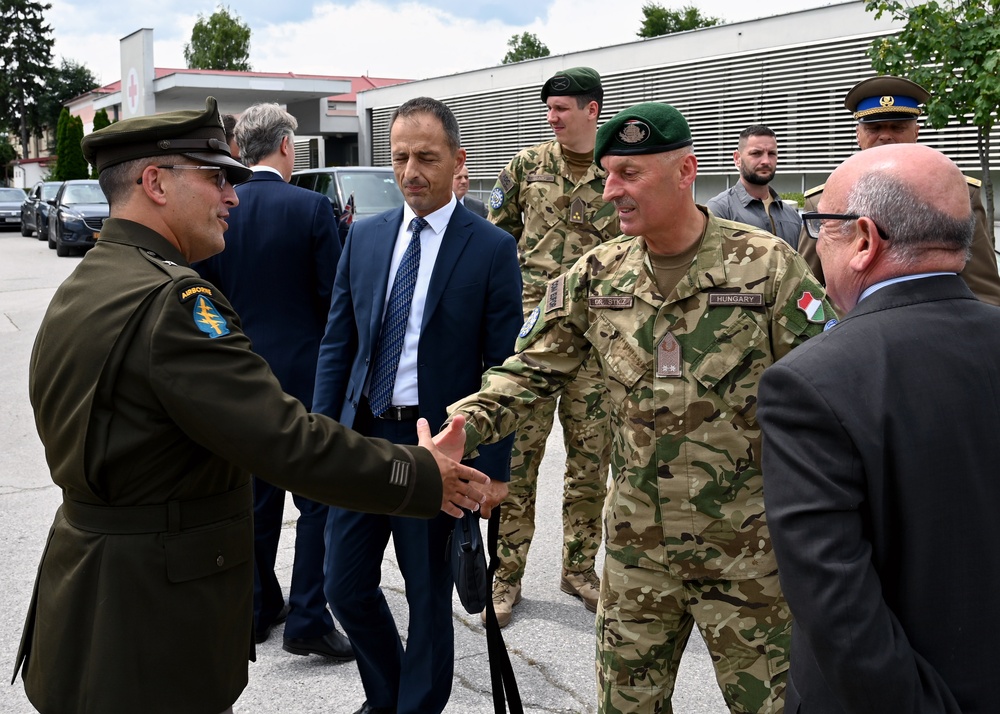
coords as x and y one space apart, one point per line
153 412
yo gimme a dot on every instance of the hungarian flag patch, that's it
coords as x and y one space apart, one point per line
812 307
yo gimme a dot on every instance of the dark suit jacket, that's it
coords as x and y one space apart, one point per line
881 485
471 319
476 206
277 270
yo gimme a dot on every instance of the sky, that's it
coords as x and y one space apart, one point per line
378 38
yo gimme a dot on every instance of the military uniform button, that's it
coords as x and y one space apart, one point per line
220 561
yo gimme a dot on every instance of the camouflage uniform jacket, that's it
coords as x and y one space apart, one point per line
687 488
554 218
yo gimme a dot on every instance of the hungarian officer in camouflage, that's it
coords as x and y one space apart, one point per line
682 314
886 109
549 197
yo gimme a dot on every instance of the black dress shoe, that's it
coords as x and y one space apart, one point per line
333 646
367 708
263 633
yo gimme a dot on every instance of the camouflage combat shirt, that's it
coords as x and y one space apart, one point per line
687 488
554 218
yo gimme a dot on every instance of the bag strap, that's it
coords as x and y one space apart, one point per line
501 672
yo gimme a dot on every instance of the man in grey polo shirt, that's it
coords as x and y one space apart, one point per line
752 200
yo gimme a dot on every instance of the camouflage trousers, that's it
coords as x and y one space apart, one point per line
584 418
644 620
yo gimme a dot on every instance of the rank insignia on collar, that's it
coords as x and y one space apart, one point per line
812 307
207 318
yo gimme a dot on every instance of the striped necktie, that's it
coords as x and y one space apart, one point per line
390 344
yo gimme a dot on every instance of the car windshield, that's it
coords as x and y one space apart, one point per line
83 193
11 194
373 192
49 190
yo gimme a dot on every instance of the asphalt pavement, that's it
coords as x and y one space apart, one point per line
550 639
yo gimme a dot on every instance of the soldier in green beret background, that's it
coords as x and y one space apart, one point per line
682 315
549 197
153 412
886 109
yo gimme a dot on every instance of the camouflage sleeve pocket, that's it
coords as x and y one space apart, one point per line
733 364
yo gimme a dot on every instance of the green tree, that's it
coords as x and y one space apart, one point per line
25 58
952 49
71 163
524 47
221 41
62 147
63 83
7 154
658 20
101 120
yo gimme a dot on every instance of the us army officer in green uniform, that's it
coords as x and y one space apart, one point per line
153 412
549 197
886 109
682 314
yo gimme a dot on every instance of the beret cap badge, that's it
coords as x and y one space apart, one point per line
634 132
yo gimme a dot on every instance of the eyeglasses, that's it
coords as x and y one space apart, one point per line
220 178
814 222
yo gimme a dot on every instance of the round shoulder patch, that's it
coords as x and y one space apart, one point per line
830 324
529 323
496 198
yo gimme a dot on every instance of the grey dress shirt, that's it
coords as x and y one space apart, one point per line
735 204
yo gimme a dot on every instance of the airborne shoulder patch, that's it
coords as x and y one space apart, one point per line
208 319
185 294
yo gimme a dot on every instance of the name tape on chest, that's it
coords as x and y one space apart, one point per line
535 178
611 301
735 299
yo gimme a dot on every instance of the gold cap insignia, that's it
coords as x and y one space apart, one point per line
887 101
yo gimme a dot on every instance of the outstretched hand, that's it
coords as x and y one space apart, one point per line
461 486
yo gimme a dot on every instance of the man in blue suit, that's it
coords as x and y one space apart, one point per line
281 256
426 298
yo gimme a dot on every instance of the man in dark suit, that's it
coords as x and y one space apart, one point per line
880 453
281 256
426 298
462 193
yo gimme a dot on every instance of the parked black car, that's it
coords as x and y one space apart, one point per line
10 207
77 216
35 209
354 191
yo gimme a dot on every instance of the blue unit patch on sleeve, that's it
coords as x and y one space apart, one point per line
529 323
496 198
208 319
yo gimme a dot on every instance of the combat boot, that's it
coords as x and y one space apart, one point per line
505 596
585 585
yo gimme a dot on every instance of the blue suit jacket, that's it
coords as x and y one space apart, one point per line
277 270
471 319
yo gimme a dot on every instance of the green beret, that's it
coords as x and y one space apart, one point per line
571 82
198 135
885 98
648 128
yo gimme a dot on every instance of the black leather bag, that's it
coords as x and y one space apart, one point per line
468 563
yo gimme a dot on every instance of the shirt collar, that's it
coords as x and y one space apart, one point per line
901 279
438 220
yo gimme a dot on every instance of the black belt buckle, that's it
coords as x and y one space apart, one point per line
394 413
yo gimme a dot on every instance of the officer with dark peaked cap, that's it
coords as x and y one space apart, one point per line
153 411
886 109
